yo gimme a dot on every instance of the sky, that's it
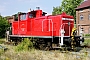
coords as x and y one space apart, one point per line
10 7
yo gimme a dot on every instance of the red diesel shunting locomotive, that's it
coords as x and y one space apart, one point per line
53 30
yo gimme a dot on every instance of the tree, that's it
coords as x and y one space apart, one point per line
16 15
67 6
3 26
57 10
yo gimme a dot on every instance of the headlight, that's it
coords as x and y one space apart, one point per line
80 37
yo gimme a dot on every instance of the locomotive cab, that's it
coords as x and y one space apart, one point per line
36 14
31 14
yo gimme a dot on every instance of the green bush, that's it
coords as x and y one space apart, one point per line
3 26
25 45
87 34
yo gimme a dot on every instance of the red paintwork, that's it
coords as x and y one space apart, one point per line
42 25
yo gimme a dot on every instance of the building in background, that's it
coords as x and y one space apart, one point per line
10 19
83 17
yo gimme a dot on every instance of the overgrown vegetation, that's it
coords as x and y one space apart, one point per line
1 51
25 45
25 53
87 42
42 55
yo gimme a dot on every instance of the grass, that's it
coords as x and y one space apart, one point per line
87 41
25 54
2 40
41 55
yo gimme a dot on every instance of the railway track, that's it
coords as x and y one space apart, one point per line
59 48
44 44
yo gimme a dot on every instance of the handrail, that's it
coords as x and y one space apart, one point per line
62 27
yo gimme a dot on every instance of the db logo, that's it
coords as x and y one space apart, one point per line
23 29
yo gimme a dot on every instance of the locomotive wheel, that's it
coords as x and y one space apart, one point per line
44 47
42 44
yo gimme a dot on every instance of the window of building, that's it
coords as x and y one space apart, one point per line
89 16
89 30
89 9
81 17
81 10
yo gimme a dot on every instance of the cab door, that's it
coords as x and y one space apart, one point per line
66 27
22 24
23 27
68 24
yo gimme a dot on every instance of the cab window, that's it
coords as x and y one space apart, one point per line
23 17
31 16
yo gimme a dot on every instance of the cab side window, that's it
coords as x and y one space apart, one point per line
31 16
23 17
